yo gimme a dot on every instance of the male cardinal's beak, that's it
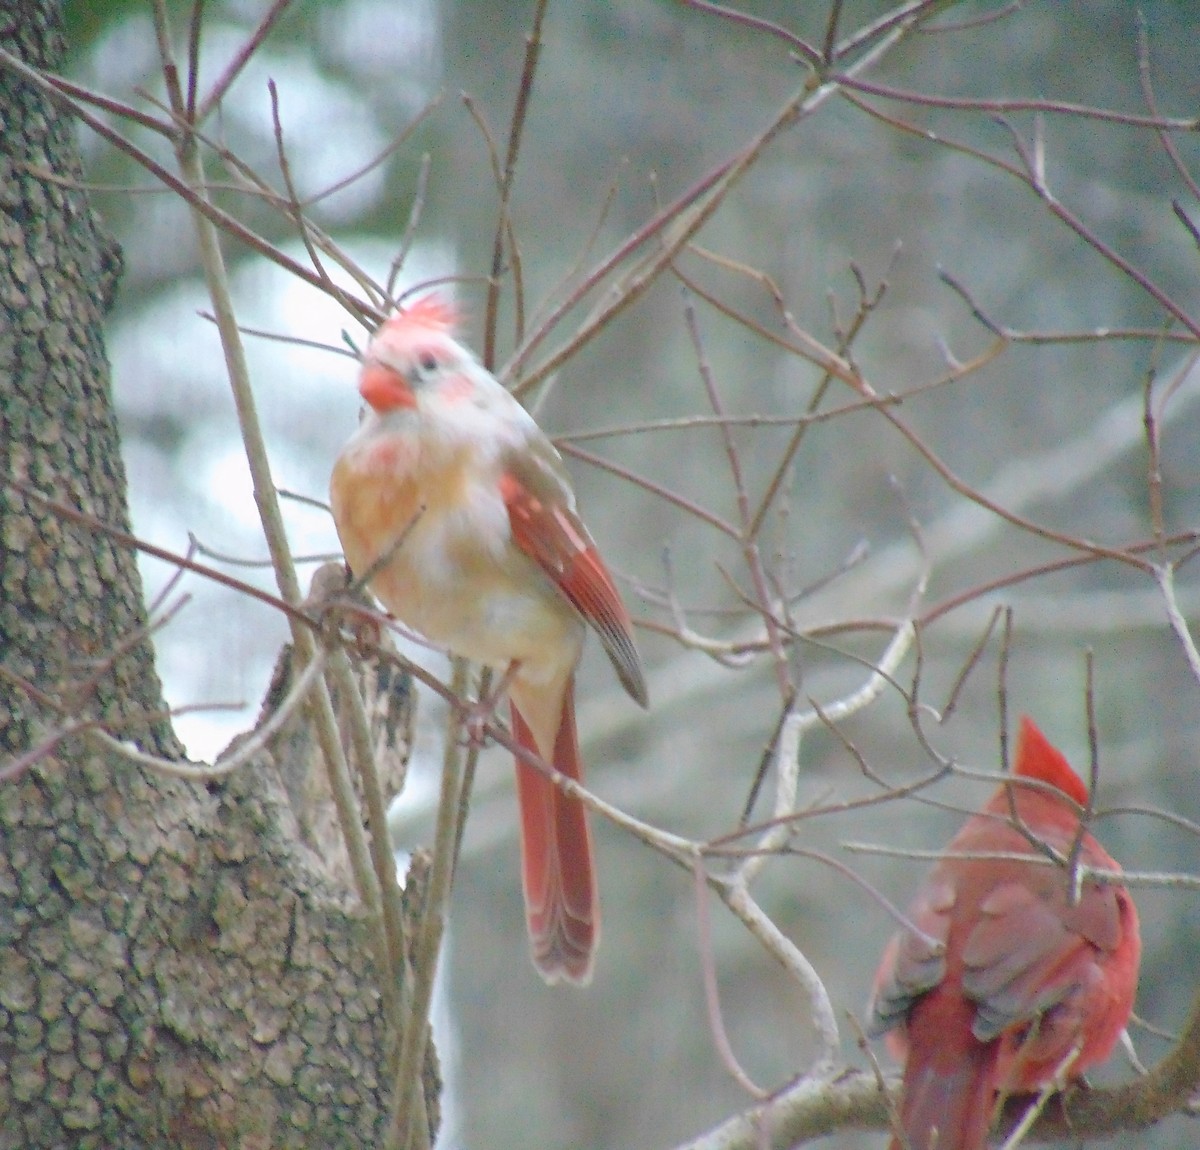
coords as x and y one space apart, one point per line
384 388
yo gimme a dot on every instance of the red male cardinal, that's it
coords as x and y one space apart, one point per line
1011 978
454 485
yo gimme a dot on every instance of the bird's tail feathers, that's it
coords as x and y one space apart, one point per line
948 1101
562 908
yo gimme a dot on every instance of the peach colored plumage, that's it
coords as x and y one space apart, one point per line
486 555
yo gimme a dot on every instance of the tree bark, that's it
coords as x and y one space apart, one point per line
176 967
67 597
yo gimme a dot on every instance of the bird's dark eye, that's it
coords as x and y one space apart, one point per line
428 361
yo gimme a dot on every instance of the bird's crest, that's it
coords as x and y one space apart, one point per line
430 313
1037 759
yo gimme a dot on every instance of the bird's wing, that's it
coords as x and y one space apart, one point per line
915 960
546 528
1030 950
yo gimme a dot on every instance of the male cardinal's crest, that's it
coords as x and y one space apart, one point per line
463 508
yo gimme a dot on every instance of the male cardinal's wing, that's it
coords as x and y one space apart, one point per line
1031 950
547 529
915 960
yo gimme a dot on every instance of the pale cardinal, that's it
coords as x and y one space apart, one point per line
451 482
1011 983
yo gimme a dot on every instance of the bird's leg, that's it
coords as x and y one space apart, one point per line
478 714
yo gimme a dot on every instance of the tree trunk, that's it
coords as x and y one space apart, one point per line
176 968
68 598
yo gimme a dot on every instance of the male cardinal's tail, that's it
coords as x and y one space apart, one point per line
948 1097
562 907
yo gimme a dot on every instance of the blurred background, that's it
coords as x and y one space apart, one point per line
635 100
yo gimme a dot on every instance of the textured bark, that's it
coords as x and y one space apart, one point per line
171 974
176 967
67 597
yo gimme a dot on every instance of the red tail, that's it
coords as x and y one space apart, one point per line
949 1085
562 907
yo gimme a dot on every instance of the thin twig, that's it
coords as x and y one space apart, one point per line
410 228
1031 173
1001 107
676 224
341 679
712 992
748 539
969 665
533 46
429 938
196 199
217 280
801 47
240 59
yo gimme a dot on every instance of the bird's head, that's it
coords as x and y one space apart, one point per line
413 351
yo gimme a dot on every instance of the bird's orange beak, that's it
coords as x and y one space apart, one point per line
384 388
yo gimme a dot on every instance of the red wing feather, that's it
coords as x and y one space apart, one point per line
554 537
